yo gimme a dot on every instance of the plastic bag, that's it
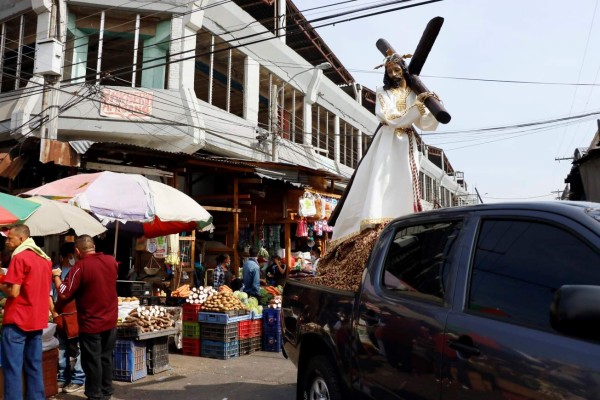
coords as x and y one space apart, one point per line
307 206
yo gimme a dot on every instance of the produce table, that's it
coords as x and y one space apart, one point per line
135 333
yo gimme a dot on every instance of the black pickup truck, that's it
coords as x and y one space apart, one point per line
495 301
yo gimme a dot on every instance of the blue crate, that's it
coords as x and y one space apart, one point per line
219 350
255 315
221 318
129 360
272 342
272 319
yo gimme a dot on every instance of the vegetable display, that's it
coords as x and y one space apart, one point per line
221 302
149 318
250 303
200 295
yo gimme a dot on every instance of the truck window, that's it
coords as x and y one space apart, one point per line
518 265
418 260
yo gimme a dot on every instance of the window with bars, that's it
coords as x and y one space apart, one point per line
17 51
220 73
117 47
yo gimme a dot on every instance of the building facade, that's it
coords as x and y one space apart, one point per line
199 77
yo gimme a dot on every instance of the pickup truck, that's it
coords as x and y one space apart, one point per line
494 301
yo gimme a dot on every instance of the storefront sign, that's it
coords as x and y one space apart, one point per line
126 104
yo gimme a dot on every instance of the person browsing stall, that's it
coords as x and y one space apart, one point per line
70 373
92 282
251 274
26 286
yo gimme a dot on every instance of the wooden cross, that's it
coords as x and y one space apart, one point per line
416 65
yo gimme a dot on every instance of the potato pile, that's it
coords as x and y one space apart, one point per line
341 267
223 301
149 318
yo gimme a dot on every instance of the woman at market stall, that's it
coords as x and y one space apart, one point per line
276 272
222 274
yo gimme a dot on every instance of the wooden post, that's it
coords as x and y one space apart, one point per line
236 228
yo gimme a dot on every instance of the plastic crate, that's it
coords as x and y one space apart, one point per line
219 332
272 342
244 329
190 330
255 315
190 312
129 360
139 289
220 350
256 328
221 318
191 347
157 355
249 345
272 320
152 300
50 371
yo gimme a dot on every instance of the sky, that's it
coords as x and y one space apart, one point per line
548 41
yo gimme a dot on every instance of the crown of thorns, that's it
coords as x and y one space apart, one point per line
393 59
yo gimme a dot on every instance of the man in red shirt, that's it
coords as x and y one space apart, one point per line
26 286
92 282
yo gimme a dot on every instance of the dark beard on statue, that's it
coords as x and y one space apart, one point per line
391 83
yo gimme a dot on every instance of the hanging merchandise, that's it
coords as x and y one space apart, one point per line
318 206
310 229
301 228
307 205
318 228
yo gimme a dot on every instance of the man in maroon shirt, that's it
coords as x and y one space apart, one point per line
26 287
92 282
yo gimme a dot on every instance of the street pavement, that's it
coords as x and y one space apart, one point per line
258 376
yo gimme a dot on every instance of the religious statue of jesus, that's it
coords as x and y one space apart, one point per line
386 182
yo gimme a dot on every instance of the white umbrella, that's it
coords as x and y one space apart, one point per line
54 217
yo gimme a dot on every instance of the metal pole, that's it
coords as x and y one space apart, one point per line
136 40
274 124
100 42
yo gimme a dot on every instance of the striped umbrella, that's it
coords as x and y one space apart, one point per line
14 210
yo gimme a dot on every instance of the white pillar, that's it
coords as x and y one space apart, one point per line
251 89
281 19
307 129
336 139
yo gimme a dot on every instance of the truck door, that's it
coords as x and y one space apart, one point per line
500 344
402 312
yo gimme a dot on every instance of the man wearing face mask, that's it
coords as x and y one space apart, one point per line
71 377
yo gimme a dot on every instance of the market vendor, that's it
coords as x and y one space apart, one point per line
222 274
276 272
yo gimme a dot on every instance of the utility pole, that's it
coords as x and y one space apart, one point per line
48 63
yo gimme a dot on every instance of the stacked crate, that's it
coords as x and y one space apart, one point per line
191 329
249 334
219 333
157 354
272 329
129 360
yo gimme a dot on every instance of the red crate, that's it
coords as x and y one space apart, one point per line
256 330
50 371
244 329
191 347
190 312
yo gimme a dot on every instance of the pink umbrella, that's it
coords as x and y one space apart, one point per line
125 198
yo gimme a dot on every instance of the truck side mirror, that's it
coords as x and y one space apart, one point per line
575 311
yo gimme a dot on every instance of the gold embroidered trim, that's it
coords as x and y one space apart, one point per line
421 107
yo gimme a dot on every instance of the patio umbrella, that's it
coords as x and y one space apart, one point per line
54 217
129 198
14 210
